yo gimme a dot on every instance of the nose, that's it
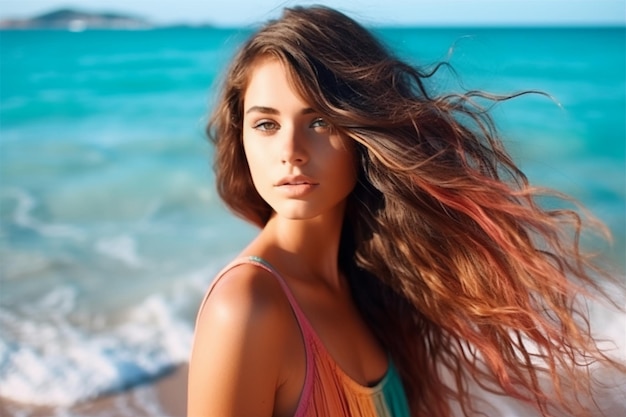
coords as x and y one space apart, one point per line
293 147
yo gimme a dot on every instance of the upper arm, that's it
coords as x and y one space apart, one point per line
235 361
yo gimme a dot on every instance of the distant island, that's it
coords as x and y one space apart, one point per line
76 21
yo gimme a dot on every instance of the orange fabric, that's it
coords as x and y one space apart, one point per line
328 391
333 393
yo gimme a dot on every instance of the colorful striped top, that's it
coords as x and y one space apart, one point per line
328 391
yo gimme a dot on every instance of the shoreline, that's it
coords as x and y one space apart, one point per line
166 396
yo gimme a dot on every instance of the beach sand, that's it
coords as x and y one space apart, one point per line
165 397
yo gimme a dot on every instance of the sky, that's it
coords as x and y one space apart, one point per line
376 12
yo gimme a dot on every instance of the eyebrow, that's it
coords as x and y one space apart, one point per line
271 110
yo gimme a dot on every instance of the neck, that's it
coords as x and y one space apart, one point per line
310 245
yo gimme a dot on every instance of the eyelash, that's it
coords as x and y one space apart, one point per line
263 125
319 119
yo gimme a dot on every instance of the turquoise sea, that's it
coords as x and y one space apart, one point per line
111 229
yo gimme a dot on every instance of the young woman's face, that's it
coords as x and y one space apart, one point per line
299 164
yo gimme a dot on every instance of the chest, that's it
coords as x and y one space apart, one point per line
345 335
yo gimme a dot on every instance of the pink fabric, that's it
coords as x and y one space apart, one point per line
327 391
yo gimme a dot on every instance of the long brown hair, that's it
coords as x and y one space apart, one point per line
457 269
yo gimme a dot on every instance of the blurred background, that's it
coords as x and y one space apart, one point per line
111 229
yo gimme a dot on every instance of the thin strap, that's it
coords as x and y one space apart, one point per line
304 324
308 335
311 336
302 320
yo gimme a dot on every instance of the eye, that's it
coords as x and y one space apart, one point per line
265 126
320 124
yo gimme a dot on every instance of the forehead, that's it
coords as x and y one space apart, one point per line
269 81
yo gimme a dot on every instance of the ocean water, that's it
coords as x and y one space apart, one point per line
111 229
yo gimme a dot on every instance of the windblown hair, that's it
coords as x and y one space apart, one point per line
460 273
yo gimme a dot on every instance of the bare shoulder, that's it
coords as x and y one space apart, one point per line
238 344
246 292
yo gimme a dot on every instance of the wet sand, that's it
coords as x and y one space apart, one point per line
165 397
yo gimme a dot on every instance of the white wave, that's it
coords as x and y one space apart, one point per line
609 328
122 248
609 325
23 216
70 364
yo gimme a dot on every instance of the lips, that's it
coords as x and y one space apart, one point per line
297 186
296 180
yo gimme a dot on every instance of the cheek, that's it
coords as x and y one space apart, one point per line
251 152
345 169
252 160
351 173
346 160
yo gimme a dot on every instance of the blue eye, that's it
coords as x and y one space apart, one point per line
321 123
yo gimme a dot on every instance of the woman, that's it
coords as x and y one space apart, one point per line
401 253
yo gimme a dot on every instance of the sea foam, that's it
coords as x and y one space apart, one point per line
71 364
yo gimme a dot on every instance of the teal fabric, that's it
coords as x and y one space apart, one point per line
394 393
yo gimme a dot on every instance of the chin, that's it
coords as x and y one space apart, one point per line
299 210
296 214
